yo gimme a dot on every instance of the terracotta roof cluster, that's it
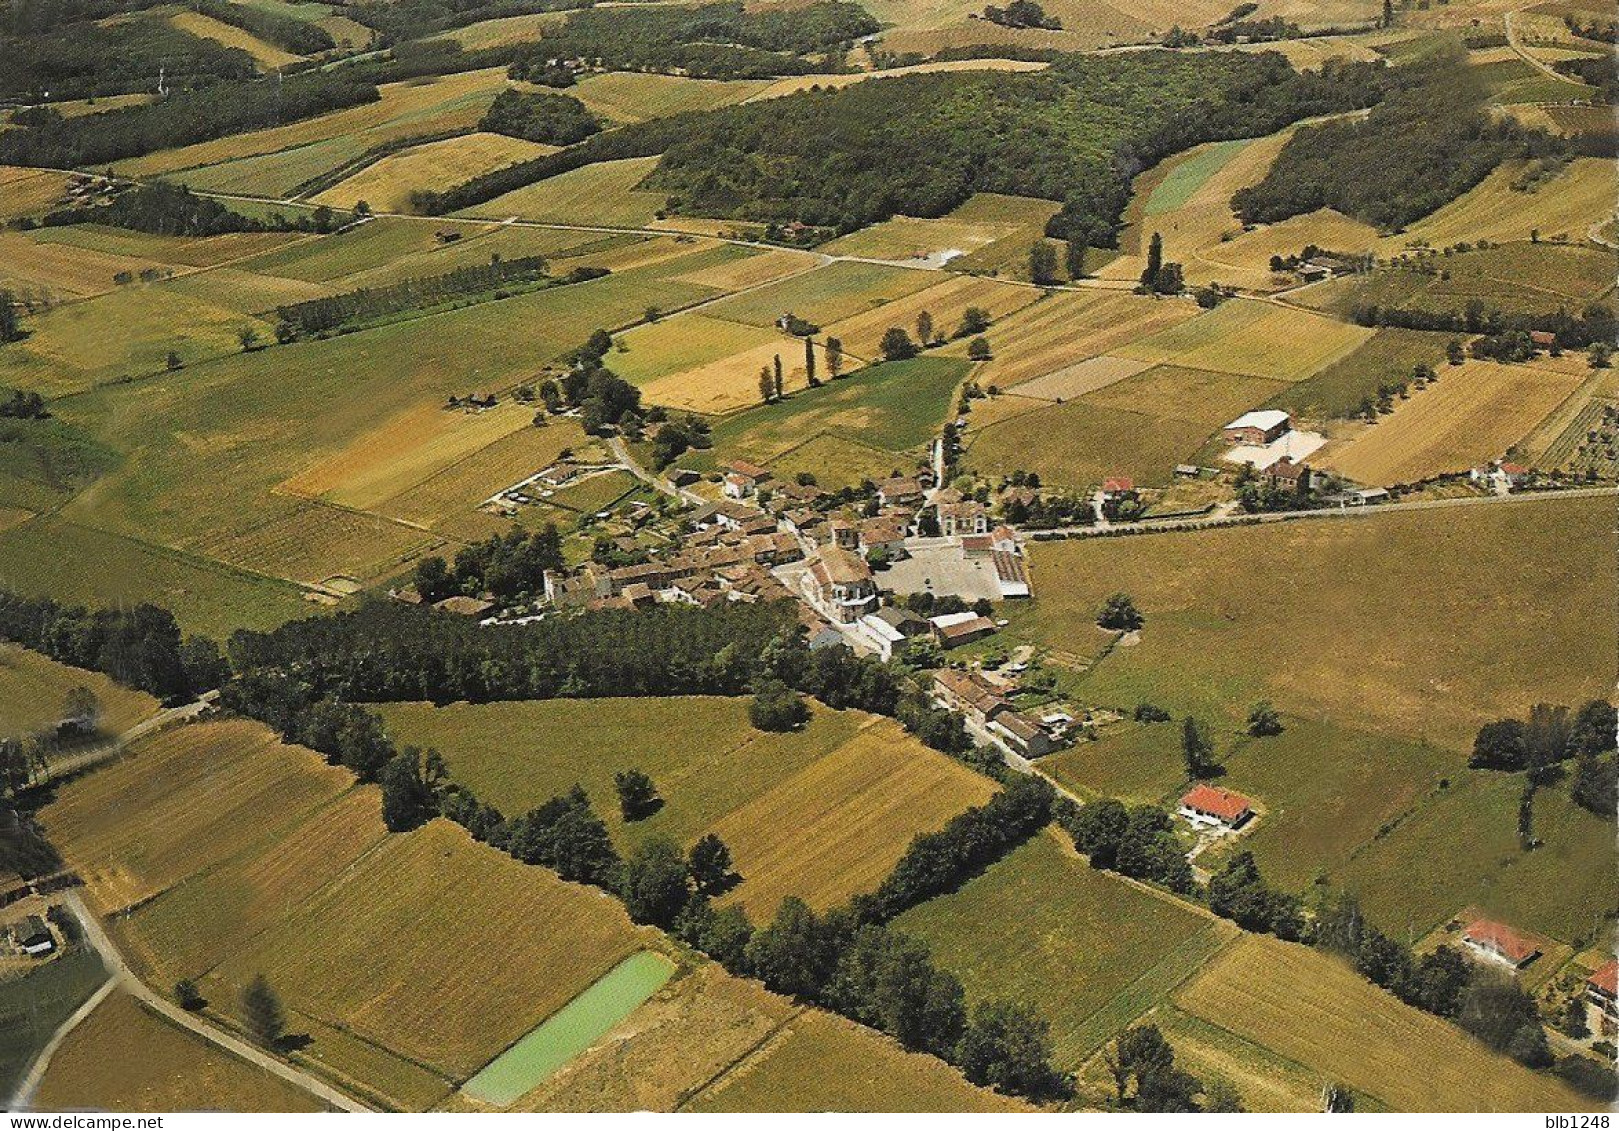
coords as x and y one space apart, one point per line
837 566
971 690
1216 802
1606 979
1502 939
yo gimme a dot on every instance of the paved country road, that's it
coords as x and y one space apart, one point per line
122 977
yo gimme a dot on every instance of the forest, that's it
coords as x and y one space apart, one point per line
847 158
174 210
551 119
301 37
85 60
183 118
1428 142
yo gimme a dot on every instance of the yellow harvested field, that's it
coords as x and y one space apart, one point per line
79 107
821 1062
446 500
626 96
178 803
946 301
414 107
1245 259
33 689
125 1058
60 269
911 237
1066 328
439 949
796 83
732 382
500 32
1313 1009
268 56
28 192
1080 378
840 825
309 543
405 451
753 271
1567 206
688 1034
1472 415
1259 339
249 291
196 925
602 194
386 186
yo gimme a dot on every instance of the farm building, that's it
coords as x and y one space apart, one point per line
1259 427
842 533
1023 734
1602 991
743 479
1116 487
1497 942
32 937
1011 573
890 627
957 520
1209 805
970 693
886 534
839 584
1286 473
953 629
901 491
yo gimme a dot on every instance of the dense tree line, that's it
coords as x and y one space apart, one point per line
1597 71
324 315
1548 738
140 647
939 862
1076 132
182 118
87 59
1430 140
301 37
400 20
1022 14
21 404
1596 323
173 210
721 40
552 119
507 565
1136 842
31 17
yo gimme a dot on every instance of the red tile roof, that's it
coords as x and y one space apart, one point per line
1118 483
1217 802
1607 978
1501 938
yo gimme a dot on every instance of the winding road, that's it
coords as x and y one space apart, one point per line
123 978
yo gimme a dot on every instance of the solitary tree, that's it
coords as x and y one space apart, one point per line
711 866
262 1014
189 997
173 361
834 356
776 373
81 710
1119 614
1196 748
1155 262
1263 720
896 345
924 329
248 337
978 349
637 796
974 320
809 362
1042 263
10 327
767 386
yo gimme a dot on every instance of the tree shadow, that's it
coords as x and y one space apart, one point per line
293 1042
